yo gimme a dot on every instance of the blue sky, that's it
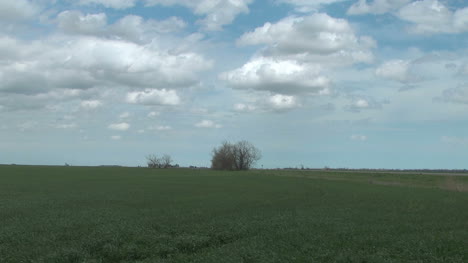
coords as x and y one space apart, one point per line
337 83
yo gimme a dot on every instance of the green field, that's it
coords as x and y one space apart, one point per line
105 214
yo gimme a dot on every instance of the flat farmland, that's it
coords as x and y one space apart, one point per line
117 214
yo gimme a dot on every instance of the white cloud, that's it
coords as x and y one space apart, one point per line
116 137
80 63
278 76
241 107
130 27
460 19
217 12
376 6
124 115
117 4
432 16
397 70
154 97
296 57
91 104
9 48
135 28
359 104
283 102
358 137
207 124
76 22
153 114
317 37
426 16
123 126
305 6
66 126
160 128
14 10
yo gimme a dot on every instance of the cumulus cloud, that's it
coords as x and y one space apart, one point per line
305 6
241 107
117 4
460 20
17 10
66 126
153 114
279 76
207 124
359 104
154 97
9 48
160 128
76 22
124 115
217 13
49 100
131 27
432 16
266 102
296 55
91 104
425 16
123 126
135 28
429 66
376 6
87 62
116 137
397 70
283 102
317 37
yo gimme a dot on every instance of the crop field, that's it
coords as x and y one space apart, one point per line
116 214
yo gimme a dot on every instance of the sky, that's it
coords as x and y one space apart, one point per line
336 83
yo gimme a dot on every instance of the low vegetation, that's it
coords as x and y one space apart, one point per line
117 214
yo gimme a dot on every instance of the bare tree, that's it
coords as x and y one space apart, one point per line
155 162
166 161
239 156
245 155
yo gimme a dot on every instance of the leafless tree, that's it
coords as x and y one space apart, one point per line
245 155
166 161
155 162
239 156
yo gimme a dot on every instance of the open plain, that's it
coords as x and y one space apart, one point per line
117 214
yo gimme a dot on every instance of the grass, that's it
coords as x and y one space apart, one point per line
111 214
